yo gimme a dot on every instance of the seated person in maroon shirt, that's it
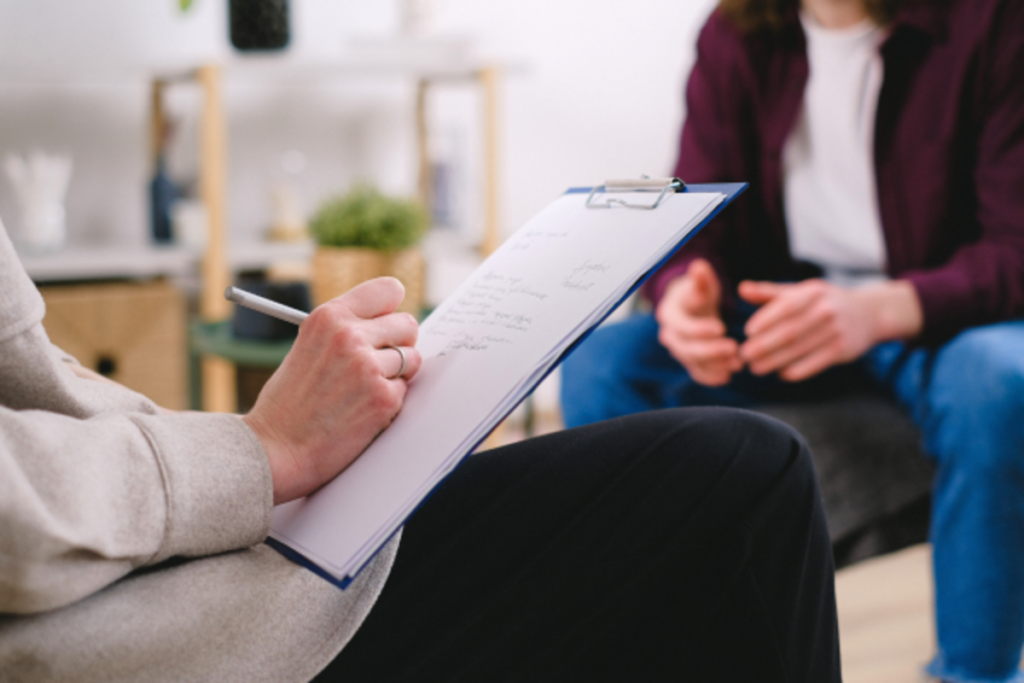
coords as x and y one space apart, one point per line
881 241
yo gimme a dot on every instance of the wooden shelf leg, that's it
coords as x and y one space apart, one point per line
425 181
492 223
219 375
220 394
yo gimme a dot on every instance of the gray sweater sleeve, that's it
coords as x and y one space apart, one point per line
95 482
85 501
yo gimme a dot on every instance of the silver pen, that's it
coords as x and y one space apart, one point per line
271 308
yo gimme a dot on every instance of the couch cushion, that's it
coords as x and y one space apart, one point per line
875 478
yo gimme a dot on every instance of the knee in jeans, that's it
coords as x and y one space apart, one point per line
981 374
977 403
602 358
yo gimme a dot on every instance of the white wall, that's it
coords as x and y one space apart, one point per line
602 94
599 96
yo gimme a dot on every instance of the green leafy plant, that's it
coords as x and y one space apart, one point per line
366 218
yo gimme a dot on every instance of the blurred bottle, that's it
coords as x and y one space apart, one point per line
162 195
288 223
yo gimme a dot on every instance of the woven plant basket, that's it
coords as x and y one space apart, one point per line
338 269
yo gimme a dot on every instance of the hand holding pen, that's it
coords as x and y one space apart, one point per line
339 386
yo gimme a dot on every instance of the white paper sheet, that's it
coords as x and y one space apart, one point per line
484 349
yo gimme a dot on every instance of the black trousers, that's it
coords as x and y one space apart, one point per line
677 545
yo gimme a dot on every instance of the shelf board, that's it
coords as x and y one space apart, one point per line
110 262
364 59
140 262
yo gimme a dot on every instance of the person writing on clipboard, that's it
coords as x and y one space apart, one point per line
882 242
679 545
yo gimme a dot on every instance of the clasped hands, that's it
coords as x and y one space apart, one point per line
799 330
337 389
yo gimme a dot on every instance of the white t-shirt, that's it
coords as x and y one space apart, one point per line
828 162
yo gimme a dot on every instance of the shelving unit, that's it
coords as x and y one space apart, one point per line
216 264
218 368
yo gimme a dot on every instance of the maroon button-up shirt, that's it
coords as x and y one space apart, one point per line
949 155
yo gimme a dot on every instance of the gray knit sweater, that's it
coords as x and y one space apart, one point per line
98 491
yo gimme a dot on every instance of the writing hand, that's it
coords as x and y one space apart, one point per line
691 327
336 390
804 328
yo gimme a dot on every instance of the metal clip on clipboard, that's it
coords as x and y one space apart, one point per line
662 185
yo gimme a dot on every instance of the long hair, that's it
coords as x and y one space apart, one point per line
755 16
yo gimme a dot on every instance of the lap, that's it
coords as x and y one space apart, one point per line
535 557
981 365
968 390
623 369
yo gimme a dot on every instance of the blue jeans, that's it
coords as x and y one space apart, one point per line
967 398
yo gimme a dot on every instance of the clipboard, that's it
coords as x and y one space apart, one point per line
730 190
487 347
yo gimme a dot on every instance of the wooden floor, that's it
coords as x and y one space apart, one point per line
886 629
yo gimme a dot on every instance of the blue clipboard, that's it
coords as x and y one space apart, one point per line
731 192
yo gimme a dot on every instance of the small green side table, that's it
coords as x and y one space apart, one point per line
215 339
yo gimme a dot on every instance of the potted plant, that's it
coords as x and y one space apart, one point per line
365 234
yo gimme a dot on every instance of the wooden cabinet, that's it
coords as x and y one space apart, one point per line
132 332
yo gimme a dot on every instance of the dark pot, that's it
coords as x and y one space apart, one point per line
249 324
259 24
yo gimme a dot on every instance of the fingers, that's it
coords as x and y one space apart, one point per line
702 292
388 333
700 328
785 348
709 356
684 325
704 278
372 298
819 360
692 329
690 297
712 363
363 321
759 292
334 328
394 364
396 329
705 349
795 323
780 301
802 329
380 337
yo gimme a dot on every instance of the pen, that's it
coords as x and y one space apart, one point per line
271 308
